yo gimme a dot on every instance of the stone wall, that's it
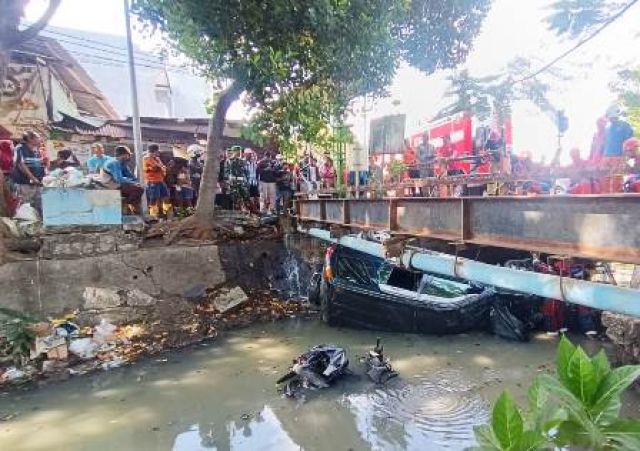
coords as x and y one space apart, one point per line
55 286
109 272
624 333
88 244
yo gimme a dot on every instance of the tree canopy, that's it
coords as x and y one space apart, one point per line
296 59
627 86
351 47
496 93
11 35
575 17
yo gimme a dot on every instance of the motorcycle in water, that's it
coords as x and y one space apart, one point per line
317 368
379 367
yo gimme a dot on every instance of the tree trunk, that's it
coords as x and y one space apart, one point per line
11 11
207 193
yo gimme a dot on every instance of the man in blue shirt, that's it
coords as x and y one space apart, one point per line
118 176
616 134
98 160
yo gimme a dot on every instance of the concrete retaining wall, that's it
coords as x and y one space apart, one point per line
107 271
51 287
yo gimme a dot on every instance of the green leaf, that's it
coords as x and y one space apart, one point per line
601 366
573 406
582 376
607 412
623 434
565 351
531 441
486 438
572 433
506 421
612 387
541 414
537 395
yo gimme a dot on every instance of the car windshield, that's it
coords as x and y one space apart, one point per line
421 283
443 288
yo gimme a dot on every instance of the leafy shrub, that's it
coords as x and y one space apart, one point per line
579 407
15 327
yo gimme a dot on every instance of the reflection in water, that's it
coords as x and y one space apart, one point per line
263 432
222 396
435 412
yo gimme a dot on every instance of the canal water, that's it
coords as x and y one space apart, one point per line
223 396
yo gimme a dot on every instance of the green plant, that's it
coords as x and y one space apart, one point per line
302 62
578 407
15 326
396 169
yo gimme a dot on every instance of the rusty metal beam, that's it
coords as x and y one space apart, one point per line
603 227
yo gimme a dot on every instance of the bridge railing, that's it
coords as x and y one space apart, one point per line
600 227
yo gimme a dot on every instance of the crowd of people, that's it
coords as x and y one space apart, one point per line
265 183
170 184
247 180
614 149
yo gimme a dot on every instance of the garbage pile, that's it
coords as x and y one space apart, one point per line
69 177
61 348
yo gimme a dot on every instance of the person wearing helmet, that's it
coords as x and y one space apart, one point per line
616 134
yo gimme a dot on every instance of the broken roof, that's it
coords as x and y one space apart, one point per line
88 98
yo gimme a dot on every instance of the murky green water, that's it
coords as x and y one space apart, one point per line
223 396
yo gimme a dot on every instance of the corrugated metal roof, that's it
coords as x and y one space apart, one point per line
89 99
106 62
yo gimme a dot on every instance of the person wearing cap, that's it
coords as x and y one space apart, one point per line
616 134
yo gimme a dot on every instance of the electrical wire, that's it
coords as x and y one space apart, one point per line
580 43
97 59
149 59
81 41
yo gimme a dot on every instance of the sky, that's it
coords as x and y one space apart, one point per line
512 28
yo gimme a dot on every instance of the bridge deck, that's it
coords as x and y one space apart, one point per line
601 227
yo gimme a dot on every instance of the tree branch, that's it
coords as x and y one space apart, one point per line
31 32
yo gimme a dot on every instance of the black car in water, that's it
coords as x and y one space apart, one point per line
359 290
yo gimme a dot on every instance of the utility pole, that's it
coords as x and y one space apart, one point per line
135 114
